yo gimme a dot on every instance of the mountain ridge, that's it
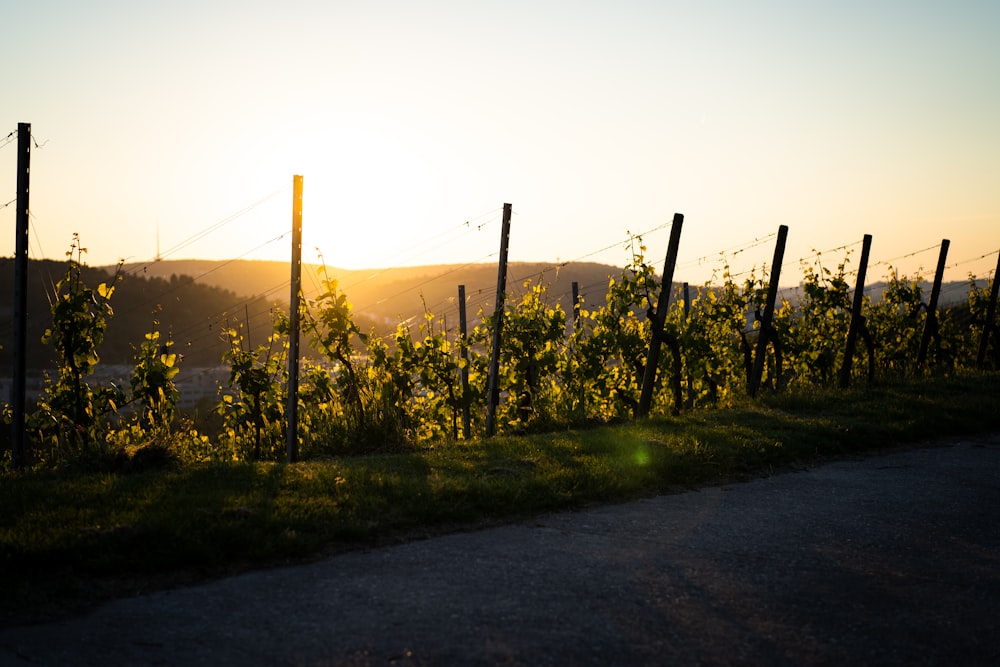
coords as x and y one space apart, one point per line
195 302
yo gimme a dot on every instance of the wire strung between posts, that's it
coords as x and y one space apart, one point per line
885 262
205 232
34 238
479 291
736 250
559 265
214 269
430 280
875 285
631 237
751 270
802 260
182 334
906 256
35 247
453 270
399 258
818 253
725 255
379 302
9 139
217 316
239 257
973 259
189 339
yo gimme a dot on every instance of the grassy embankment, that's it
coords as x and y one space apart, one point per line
68 539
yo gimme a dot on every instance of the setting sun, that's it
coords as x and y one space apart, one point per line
595 123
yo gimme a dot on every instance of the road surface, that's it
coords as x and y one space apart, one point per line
888 560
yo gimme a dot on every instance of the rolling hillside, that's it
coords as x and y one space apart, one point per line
195 301
389 295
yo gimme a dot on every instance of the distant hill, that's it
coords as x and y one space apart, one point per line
195 301
192 313
389 295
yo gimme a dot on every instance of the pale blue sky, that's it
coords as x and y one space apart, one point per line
594 119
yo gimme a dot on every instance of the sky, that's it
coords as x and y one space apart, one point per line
174 129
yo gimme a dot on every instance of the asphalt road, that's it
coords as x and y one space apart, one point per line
890 560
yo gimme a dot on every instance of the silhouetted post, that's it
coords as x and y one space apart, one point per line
857 320
931 323
766 330
576 306
464 373
686 291
989 326
18 386
294 307
493 381
582 396
659 317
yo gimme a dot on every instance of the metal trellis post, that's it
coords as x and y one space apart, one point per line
294 307
18 386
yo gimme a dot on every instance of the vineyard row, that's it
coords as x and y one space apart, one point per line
522 368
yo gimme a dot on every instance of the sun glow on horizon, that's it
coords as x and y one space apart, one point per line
594 123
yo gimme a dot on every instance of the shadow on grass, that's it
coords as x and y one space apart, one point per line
71 539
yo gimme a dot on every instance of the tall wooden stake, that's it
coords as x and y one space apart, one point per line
463 327
581 399
931 323
18 385
989 325
686 291
294 308
857 321
576 306
766 334
493 380
659 317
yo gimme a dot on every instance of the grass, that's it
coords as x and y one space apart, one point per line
71 539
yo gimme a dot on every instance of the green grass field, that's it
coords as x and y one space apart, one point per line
71 539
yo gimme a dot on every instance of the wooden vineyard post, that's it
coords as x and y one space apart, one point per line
989 326
767 335
686 291
294 308
857 320
18 387
493 379
581 398
576 306
931 323
464 373
658 318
